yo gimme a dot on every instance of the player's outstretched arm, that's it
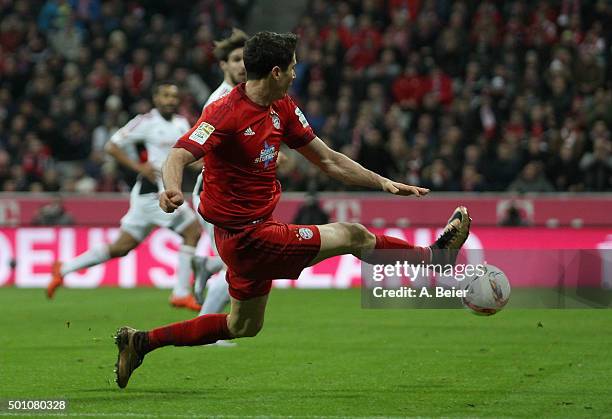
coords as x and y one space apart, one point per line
340 167
172 175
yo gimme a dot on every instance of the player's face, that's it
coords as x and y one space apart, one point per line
167 99
287 77
233 68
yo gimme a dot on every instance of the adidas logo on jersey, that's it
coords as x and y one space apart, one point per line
249 131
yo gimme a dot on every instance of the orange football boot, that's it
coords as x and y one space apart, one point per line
56 279
188 302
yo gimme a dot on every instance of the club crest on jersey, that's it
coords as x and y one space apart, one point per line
266 155
202 132
305 233
301 117
275 120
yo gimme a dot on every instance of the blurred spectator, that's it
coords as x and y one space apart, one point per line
437 176
462 95
471 180
590 72
409 88
531 179
35 159
102 133
83 183
310 212
513 218
53 213
67 41
503 169
373 154
597 166
564 169
5 167
51 181
108 180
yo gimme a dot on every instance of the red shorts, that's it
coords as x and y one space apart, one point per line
255 255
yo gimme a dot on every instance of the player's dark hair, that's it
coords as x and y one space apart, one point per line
225 47
266 50
158 84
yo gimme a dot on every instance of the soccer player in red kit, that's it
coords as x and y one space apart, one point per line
239 137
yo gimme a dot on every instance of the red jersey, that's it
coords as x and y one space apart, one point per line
239 141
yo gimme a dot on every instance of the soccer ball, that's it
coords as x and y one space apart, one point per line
488 292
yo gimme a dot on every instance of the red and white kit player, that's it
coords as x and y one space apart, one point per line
239 137
155 131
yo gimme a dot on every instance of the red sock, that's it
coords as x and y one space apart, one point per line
402 251
199 331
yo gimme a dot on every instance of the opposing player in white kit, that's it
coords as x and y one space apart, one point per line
229 54
158 131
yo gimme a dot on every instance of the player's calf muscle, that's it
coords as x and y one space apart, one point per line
246 318
244 328
243 325
191 234
124 244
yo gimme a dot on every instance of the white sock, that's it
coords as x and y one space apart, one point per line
182 287
214 264
217 295
94 256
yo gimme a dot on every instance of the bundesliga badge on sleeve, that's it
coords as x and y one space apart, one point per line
275 120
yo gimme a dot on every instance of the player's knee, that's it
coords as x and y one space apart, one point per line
360 237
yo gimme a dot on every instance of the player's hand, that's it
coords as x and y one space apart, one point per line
397 188
148 171
170 200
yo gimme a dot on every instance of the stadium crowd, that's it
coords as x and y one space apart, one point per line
451 95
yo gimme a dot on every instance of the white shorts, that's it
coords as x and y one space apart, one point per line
210 229
145 214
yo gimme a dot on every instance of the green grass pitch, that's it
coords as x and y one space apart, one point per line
319 354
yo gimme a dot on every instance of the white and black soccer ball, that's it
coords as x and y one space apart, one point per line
487 292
